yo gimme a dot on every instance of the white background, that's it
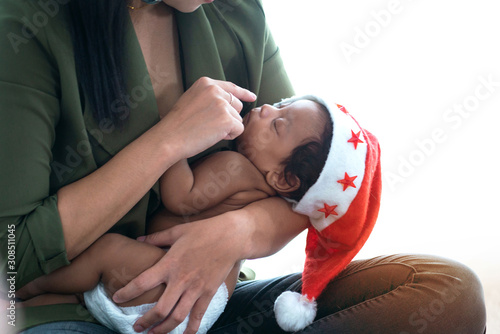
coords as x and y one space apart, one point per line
413 68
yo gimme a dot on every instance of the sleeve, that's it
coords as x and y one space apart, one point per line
29 113
275 84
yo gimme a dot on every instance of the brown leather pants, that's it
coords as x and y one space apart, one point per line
398 294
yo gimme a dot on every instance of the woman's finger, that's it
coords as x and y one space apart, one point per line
235 103
163 238
236 130
161 310
146 281
197 312
187 306
238 92
177 317
235 114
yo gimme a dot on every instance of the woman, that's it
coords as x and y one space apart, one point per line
99 98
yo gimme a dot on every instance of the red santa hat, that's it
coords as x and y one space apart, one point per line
342 207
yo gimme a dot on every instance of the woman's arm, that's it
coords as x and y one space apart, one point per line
271 225
82 211
115 188
201 118
260 229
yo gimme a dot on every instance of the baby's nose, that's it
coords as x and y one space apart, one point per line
267 110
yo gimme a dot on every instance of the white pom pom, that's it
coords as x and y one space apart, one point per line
293 311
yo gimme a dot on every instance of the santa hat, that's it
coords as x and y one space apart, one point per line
342 206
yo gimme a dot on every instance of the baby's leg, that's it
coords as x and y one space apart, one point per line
126 268
51 299
130 259
81 275
113 258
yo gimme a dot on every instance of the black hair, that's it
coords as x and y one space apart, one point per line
307 160
98 30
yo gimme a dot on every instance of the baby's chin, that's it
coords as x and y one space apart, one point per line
238 140
240 143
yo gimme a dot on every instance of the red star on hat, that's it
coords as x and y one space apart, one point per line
348 181
342 108
355 139
329 210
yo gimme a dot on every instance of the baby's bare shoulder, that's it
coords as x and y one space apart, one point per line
234 163
233 169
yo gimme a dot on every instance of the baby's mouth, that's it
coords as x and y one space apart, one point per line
246 119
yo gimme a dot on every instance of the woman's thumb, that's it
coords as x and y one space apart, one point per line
161 239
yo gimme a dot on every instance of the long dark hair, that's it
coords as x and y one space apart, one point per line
98 31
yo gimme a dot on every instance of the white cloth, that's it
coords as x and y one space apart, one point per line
122 319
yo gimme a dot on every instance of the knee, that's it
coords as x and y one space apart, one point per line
458 279
458 293
109 243
440 294
112 238
472 290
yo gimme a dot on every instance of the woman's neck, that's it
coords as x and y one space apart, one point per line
137 6
156 31
145 13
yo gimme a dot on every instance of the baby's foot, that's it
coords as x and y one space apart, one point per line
49 299
30 290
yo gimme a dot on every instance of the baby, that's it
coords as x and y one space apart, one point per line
282 152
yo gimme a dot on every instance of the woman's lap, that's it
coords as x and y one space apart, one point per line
398 294
63 327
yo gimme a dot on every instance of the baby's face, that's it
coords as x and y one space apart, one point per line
273 132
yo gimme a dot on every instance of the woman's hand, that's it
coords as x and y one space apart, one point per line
202 254
205 114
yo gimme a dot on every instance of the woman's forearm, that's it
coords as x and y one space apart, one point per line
92 205
202 116
270 225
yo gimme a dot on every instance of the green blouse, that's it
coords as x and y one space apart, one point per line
48 137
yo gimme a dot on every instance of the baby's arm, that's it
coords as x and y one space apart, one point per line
175 184
186 191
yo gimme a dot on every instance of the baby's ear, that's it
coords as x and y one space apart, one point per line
276 179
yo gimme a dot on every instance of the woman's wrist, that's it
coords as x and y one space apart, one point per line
169 143
242 225
269 225
251 227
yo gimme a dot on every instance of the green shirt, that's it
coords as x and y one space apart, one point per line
48 137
